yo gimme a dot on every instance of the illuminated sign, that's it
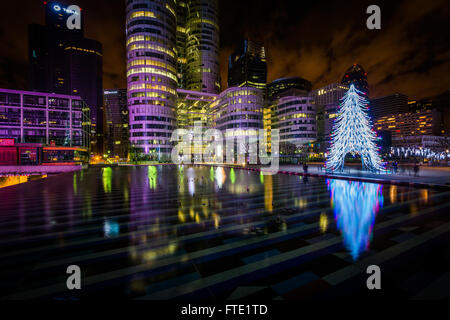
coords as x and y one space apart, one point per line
72 12
6 142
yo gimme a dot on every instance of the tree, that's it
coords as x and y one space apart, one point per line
352 133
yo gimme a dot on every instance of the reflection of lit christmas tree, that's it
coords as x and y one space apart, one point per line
355 207
352 133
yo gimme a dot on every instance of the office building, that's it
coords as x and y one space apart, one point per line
197 42
387 105
194 109
170 45
425 122
327 100
440 102
32 120
181 35
247 67
202 46
117 129
358 77
238 114
62 61
151 75
278 86
295 118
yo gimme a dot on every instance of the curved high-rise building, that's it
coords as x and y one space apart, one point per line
151 74
202 46
358 77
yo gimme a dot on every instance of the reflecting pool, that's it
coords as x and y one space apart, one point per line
183 232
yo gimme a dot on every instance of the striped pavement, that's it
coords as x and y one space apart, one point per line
169 232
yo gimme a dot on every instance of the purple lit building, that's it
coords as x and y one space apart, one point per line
46 118
151 75
50 128
238 112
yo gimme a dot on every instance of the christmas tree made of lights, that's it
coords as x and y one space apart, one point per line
352 133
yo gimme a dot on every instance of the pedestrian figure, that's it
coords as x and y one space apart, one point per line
395 167
305 168
416 169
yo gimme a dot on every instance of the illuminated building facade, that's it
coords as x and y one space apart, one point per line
117 132
238 112
277 89
63 61
440 102
247 67
295 118
425 122
358 77
390 104
194 108
202 46
151 75
182 16
45 118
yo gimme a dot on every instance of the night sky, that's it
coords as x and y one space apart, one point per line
316 40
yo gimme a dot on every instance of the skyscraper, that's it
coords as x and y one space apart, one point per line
170 44
62 61
388 105
202 45
357 76
151 74
247 67
117 133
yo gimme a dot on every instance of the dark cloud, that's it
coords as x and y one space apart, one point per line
317 40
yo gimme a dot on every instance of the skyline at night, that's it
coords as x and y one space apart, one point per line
202 154
407 55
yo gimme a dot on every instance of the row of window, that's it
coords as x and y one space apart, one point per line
152 126
294 109
154 142
151 134
294 136
12 99
152 71
152 87
148 45
152 118
241 125
150 62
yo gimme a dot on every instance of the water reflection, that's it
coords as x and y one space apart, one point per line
152 174
10 180
355 206
107 179
220 176
111 228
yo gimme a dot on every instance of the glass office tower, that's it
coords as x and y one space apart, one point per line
151 74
